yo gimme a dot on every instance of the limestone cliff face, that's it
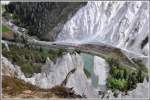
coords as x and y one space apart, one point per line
10 69
121 24
55 73
101 70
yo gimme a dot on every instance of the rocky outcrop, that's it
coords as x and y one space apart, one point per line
101 70
122 24
79 81
10 69
69 71
53 74
140 92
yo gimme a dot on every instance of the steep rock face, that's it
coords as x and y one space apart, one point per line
79 81
101 70
55 73
122 24
10 69
41 18
140 92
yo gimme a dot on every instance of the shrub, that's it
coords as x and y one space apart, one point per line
27 69
30 59
112 62
114 83
5 29
122 77
16 86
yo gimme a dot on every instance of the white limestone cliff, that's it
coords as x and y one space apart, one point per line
53 74
123 24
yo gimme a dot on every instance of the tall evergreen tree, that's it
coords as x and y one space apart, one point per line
40 18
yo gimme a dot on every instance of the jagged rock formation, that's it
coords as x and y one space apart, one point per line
54 74
79 81
12 70
122 24
41 18
140 92
101 70
70 69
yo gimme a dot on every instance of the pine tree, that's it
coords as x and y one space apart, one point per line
140 76
125 75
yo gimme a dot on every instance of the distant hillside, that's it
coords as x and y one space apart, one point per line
40 18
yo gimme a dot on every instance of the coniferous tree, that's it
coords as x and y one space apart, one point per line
40 18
